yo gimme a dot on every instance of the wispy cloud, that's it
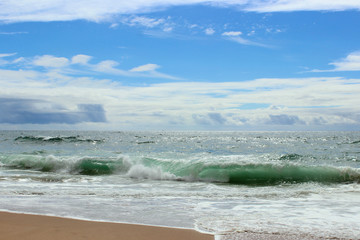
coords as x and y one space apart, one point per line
350 63
304 5
107 10
235 36
160 26
232 34
149 70
145 68
81 64
3 55
209 31
12 33
143 21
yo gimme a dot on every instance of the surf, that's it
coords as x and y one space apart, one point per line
176 170
55 139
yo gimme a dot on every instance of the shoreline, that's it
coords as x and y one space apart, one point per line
14 226
25 226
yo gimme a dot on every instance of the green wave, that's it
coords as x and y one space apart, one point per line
97 167
82 165
235 173
268 174
257 174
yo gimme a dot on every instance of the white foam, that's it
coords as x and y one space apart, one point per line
155 173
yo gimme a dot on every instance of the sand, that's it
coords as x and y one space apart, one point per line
15 226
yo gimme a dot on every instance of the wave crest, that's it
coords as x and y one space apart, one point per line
256 174
71 165
58 139
149 168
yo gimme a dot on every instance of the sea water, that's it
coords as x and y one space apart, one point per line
224 183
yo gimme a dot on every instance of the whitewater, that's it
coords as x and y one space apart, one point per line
296 183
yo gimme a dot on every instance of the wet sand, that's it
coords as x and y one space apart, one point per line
15 226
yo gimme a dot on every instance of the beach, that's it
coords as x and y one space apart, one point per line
14 226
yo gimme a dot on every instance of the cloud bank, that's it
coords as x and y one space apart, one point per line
32 111
48 94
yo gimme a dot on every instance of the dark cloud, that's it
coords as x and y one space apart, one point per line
284 119
92 112
217 118
209 119
23 111
201 119
349 115
319 121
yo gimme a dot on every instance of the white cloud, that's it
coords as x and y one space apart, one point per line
19 60
231 34
109 67
274 30
251 33
12 33
285 102
50 61
106 10
143 21
350 63
2 55
168 29
165 24
114 25
149 70
81 59
235 37
145 68
304 5
243 41
5 55
195 104
79 64
209 31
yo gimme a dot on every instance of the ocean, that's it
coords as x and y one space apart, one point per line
224 183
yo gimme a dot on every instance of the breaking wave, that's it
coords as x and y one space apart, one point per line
149 168
70 165
291 156
58 139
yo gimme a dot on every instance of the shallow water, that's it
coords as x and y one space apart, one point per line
305 183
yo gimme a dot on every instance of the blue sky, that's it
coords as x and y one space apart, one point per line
180 65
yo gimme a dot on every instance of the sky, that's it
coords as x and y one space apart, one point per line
230 65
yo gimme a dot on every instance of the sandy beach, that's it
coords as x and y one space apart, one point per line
15 226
